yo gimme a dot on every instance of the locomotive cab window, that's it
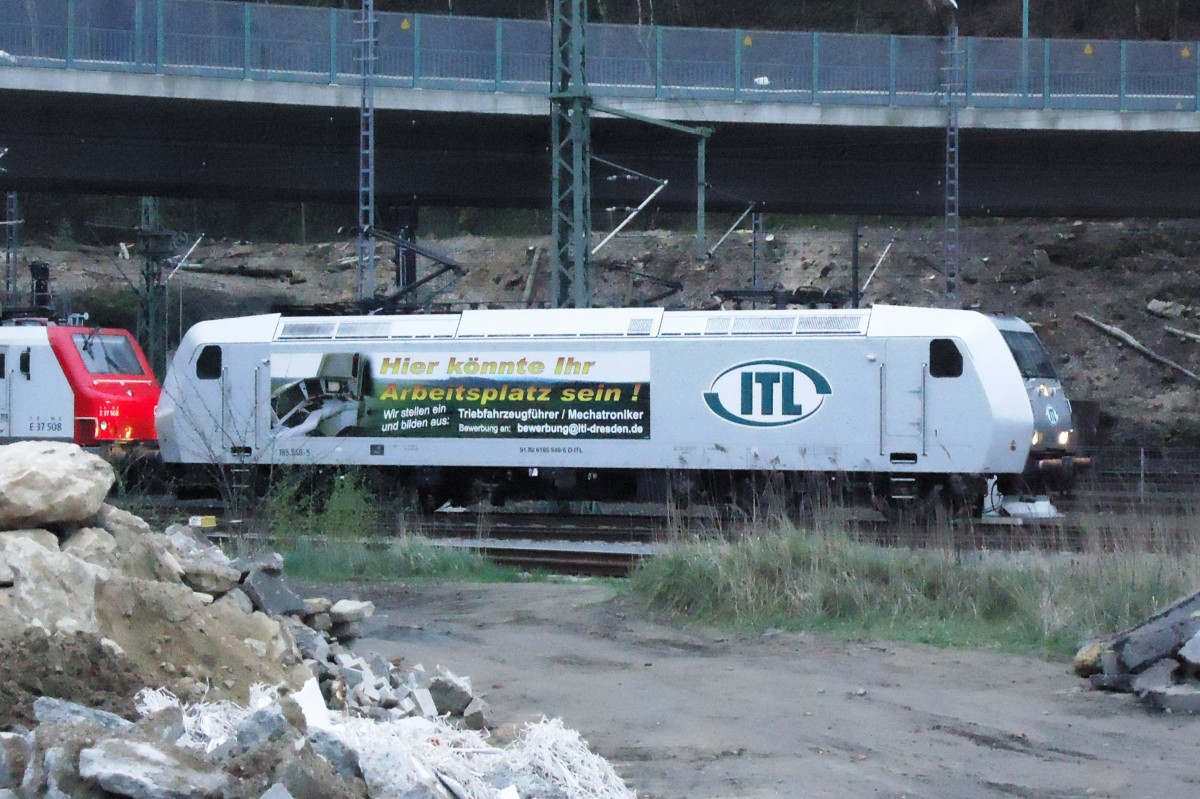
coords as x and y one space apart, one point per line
107 354
1031 357
945 360
208 364
3 372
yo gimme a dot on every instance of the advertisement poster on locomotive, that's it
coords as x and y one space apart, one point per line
557 394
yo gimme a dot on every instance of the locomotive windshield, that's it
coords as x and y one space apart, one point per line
107 354
1032 358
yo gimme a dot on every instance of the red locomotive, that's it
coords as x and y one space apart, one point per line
89 385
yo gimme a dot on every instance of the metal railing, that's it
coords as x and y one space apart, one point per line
247 41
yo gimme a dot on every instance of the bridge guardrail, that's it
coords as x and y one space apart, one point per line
296 43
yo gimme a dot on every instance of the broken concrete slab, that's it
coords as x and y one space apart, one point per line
1190 651
346 631
450 692
1156 640
477 715
143 771
271 595
1117 683
350 610
315 605
424 702
261 728
268 562
1174 698
311 643
1157 677
47 709
1158 636
341 757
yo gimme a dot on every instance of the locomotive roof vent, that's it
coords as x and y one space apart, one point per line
560 322
640 327
307 330
745 325
718 326
832 323
375 328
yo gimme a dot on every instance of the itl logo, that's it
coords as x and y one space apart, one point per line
767 393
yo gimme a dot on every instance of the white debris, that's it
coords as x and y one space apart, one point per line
562 756
397 756
206 725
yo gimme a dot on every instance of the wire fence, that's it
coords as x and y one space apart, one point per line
1151 479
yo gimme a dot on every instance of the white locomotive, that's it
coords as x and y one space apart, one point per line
903 403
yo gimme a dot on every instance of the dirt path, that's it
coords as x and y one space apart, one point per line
698 715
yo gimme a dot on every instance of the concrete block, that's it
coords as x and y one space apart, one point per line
1175 699
1118 683
315 605
271 595
312 705
424 702
1160 635
48 709
1157 677
346 631
477 715
341 757
451 693
267 562
1190 651
350 610
353 677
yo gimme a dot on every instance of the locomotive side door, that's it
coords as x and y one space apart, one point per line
245 394
903 381
5 394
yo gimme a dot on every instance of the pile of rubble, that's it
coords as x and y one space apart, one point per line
1158 660
144 664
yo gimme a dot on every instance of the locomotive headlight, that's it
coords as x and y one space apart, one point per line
1044 390
1037 438
103 425
1064 438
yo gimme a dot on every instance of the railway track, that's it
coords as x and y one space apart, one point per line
611 544
604 545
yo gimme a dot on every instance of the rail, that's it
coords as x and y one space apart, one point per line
260 42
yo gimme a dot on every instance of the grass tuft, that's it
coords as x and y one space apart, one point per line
404 558
793 579
332 529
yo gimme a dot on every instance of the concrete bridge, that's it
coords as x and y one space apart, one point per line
219 99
